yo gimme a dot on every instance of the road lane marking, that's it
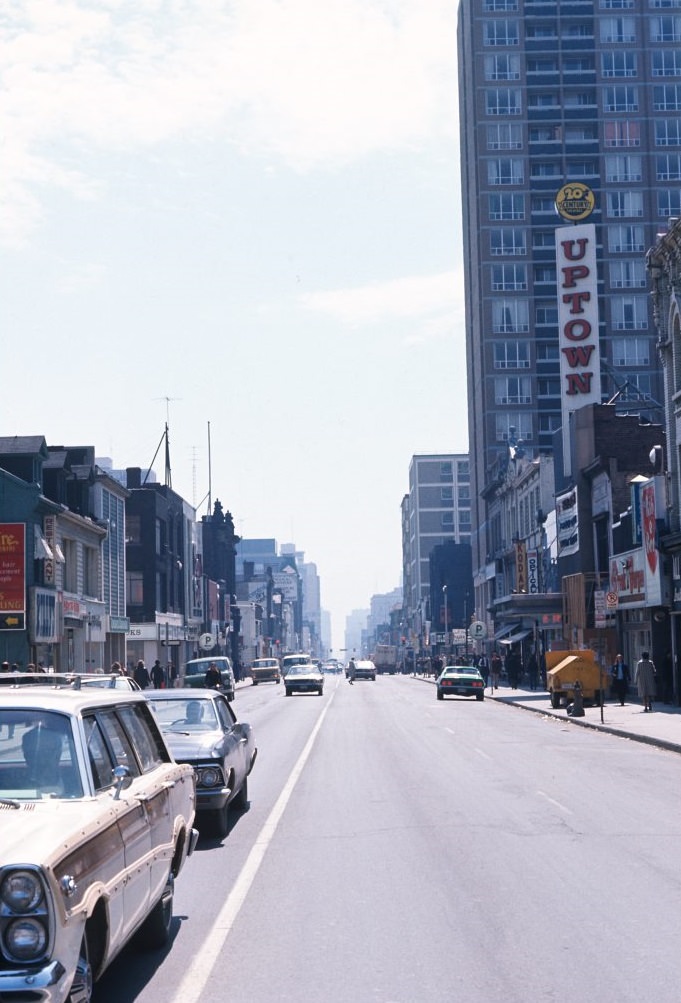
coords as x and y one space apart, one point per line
483 754
552 801
196 977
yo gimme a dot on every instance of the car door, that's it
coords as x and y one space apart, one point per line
237 743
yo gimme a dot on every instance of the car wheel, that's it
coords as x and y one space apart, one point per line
81 987
479 696
440 695
255 682
155 931
241 799
288 692
221 821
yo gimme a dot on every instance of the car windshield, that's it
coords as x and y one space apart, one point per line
37 756
265 663
300 670
297 660
185 714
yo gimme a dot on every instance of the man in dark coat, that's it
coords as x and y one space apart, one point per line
141 675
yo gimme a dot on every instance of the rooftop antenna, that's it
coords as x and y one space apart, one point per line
168 476
210 476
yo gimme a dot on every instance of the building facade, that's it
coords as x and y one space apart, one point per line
553 93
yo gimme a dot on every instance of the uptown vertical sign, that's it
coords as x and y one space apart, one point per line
580 360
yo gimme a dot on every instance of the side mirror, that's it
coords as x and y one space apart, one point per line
122 780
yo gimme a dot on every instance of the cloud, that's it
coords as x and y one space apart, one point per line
311 84
406 298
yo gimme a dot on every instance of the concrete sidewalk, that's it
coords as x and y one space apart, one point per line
662 727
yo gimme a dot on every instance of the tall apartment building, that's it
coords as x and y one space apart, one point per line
584 91
436 510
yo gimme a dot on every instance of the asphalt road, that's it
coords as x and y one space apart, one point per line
402 850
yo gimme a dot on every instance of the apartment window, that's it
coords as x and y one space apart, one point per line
669 203
616 4
512 390
502 66
627 274
668 132
580 133
582 169
543 204
545 134
618 29
134 586
463 494
447 520
504 136
546 315
544 273
463 469
631 351
503 101
625 204
447 495
511 355
492 5
506 206
642 382
541 32
668 167
509 277
578 64
667 97
623 167
516 424
577 30
508 241
547 353
629 313
510 316
548 423
446 472
542 101
622 132
666 63
619 63
542 65
625 239
548 386
546 170
661 4
70 572
91 575
665 29
580 99
500 32
505 171
622 98
543 238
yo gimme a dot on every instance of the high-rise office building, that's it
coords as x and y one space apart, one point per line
585 91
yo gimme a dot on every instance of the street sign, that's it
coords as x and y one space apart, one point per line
477 630
611 600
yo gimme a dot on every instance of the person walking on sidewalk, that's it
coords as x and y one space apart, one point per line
644 677
352 668
620 678
495 669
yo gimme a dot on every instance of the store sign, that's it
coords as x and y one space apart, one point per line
628 578
567 525
580 363
533 583
12 575
652 556
520 566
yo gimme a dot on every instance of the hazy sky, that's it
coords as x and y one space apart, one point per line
245 214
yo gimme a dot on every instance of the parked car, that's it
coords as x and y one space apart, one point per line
201 729
462 681
265 670
76 680
196 668
97 822
304 678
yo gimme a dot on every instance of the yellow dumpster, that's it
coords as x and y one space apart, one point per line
564 668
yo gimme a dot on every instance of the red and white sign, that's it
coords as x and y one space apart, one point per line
580 360
649 534
12 567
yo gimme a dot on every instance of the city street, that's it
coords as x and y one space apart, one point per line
401 849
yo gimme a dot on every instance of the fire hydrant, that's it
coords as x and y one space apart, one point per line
576 708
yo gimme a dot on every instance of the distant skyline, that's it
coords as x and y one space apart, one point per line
246 215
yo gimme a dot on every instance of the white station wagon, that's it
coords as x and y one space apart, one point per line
97 821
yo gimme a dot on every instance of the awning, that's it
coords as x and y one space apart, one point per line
519 636
41 548
506 629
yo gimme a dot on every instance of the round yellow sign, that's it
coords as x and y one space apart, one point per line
575 201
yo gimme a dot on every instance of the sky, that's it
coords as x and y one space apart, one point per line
242 218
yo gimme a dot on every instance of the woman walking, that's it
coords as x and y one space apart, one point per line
644 678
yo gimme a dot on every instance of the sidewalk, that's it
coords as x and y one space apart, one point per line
662 727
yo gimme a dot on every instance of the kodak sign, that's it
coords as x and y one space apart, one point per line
580 360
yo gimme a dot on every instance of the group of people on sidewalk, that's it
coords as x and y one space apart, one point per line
645 675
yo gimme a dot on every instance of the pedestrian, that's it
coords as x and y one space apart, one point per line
533 671
141 675
483 667
4 667
158 675
619 671
212 679
644 677
352 669
513 668
171 674
495 668
115 669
